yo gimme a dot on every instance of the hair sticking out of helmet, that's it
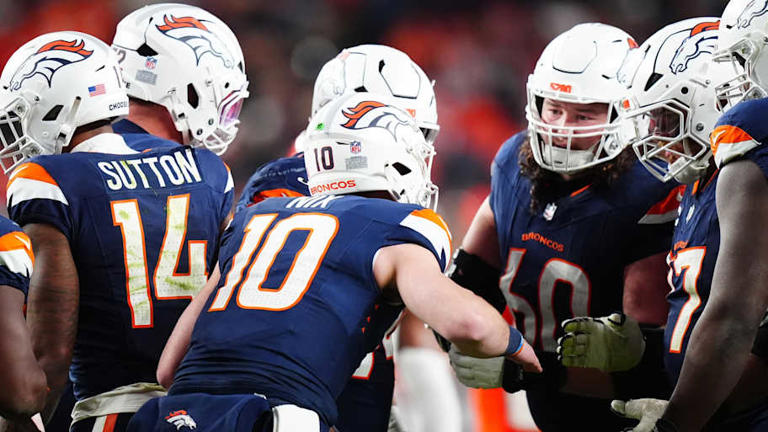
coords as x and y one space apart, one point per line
52 85
672 105
362 142
187 60
383 70
742 45
577 71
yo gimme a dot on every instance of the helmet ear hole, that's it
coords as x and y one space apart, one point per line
53 114
401 169
145 51
192 97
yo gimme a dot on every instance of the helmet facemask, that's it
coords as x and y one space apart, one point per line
662 135
554 148
744 84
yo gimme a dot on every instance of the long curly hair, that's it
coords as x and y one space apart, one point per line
547 186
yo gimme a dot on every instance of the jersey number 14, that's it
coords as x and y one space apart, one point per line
168 284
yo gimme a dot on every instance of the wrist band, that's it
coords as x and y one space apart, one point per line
515 342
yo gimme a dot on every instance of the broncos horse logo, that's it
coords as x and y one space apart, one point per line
181 419
48 59
368 114
702 39
196 35
752 10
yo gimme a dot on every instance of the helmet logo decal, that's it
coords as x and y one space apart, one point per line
565 88
48 59
369 114
196 35
701 40
752 10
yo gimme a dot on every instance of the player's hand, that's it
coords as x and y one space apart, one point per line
477 372
611 344
647 411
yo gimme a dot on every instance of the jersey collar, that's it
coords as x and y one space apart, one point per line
104 143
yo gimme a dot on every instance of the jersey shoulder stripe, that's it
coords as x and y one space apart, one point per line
430 225
729 142
665 210
32 181
16 253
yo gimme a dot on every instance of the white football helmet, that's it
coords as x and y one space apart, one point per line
363 142
578 66
54 84
383 70
742 44
672 104
189 61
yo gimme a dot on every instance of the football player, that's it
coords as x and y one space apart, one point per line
306 281
185 76
22 379
365 402
573 222
673 108
738 296
123 238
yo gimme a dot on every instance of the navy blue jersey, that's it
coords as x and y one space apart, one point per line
16 257
143 229
284 177
298 307
568 260
138 139
696 242
365 402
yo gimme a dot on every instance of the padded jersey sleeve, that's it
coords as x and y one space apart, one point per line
741 133
278 178
428 229
219 178
16 257
34 196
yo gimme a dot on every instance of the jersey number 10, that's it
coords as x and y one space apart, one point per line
322 229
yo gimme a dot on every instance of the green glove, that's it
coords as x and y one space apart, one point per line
611 344
647 411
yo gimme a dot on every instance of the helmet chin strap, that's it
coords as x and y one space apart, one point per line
557 156
691 173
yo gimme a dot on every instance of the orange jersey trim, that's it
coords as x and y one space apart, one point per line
669 203
17 240
727 134
32 171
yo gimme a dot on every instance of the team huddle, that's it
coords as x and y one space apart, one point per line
623 233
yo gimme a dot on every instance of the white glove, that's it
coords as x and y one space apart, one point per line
477 372
611 344
648 411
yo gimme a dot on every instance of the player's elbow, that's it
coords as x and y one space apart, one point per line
24 396
164 376
55 362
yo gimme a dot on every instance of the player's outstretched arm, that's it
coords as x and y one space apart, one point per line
52 307
462 317
21 378
178 343
721 342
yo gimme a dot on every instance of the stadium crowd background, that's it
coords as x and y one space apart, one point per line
479 52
